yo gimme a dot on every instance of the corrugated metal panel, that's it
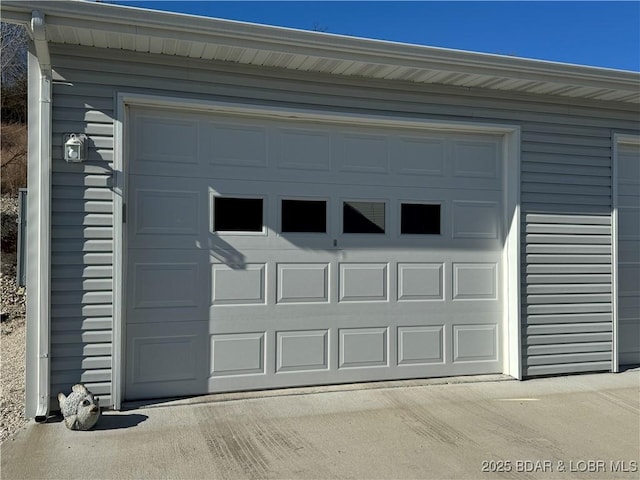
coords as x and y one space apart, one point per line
566 171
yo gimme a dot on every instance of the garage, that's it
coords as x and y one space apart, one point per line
250 207
268 252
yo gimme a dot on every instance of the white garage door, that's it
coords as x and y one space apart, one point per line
629 254
269 253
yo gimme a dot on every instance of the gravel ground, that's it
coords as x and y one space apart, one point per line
12 330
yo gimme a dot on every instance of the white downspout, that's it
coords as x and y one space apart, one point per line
39 184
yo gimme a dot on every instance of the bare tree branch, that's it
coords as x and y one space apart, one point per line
13 72
13 53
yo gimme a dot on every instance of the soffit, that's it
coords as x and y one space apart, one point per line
125 28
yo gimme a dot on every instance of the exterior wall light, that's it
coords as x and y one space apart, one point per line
75 147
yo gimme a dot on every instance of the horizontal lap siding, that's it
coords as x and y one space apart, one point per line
566 197
82 245
566 252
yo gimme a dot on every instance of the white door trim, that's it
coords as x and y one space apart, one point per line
512 354
618 138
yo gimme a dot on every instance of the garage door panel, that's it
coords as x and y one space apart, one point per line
476 158
247 319
475 343
164 140
420 281
303 283
628 279
336 155
162 212
474 219
235 286
348 375
628 251
238 354
628 225
475 281
361 282
165 213
421 345
628 165
236 144
303 149
363 153
363 347
401 180
167 288
165 285
419 155
628 346
306 350
164 359
276 309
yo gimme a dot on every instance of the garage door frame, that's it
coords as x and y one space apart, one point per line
511 324
618 140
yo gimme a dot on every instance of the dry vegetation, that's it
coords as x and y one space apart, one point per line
12 328
13 176
13 155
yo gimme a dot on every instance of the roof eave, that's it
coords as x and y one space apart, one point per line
163 25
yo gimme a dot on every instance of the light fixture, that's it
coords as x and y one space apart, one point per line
75 147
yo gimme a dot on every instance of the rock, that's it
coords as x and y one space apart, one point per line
12 326
9 224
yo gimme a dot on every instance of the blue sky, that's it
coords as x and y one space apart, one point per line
602 34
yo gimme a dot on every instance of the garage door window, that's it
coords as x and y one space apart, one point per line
419 219
237 214
304 216
363 217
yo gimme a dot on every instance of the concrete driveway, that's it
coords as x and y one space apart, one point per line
585 426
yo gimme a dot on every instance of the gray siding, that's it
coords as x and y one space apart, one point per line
82 251
566 245
566 194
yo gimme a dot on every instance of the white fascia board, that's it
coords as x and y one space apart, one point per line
20 17
136 21
375 52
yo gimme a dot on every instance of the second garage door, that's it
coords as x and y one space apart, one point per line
268 253
628 268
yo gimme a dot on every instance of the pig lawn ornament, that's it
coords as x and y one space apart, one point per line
80 409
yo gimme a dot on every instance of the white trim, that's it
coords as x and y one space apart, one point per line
119 202
239 109
39 229
38 28
618 138
511 255
511 157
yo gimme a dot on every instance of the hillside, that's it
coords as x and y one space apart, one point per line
12 308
